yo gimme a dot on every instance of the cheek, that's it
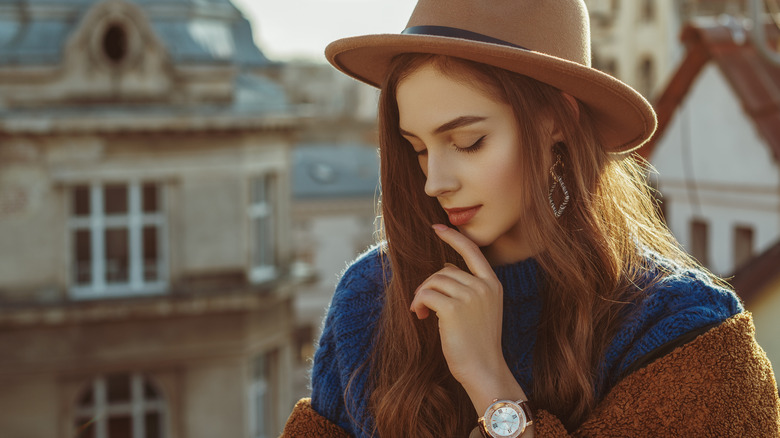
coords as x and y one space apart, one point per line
507 175
422 160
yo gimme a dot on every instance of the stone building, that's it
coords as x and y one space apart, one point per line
145 286
637 41
334 191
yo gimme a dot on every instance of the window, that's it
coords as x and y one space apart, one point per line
604 63
699 241
304 341
262 393
120 406
117 235
610 68
647 10
261 218
115 43
646 77
743 245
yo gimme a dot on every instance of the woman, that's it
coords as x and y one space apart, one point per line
526 285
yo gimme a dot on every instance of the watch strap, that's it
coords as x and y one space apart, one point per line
525 405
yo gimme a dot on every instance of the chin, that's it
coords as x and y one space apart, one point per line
481 240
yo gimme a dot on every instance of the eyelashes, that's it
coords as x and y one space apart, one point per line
474 147
477 145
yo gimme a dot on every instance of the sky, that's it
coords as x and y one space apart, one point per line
300 29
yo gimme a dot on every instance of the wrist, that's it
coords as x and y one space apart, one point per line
500 385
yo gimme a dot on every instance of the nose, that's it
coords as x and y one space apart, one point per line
441 177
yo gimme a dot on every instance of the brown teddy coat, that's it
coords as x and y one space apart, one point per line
719 384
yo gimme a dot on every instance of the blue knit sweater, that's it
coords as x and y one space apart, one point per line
683 302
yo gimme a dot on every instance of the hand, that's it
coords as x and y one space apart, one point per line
470 311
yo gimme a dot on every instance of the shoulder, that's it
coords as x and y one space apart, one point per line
683 302
368 270
719 384
361 285
685 296
347 336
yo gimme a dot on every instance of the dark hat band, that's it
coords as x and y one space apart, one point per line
454 32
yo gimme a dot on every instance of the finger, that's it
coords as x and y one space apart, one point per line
459 274
445 284
428 299
475 260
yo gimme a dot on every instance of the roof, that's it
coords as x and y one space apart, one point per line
192 31
334 171
751 278
754 80
217 81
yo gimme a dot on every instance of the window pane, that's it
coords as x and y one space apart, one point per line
115 199
263 392
259 189
151 257
118 388
81 205
150 392
120 427
700 241
85 428
152 425
82 257
151 198
260 394
743 245
86 398
117 255
268 235
264 243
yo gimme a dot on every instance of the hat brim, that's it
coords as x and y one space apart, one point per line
624 119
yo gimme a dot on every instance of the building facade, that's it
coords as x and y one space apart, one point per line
637 41
335 189
144 223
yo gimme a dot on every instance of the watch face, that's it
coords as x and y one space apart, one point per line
505 419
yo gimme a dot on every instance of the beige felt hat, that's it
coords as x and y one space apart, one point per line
548 40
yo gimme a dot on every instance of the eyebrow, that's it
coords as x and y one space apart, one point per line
452 124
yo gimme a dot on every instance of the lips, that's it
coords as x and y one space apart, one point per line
462 216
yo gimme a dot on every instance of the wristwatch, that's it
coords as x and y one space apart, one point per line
506 419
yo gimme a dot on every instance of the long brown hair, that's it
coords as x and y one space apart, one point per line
590 259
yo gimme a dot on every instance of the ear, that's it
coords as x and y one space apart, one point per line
557 135
572 103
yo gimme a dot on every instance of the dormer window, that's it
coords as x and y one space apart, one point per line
115 43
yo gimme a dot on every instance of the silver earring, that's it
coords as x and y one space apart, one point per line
558 180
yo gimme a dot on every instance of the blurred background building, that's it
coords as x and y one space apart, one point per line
145 233
334 191
176 209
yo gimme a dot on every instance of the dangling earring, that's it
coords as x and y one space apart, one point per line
557 179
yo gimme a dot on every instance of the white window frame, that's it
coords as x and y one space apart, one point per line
134 220
264 209
261 415
101 410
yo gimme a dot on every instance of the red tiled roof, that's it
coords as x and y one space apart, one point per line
760 271
753 78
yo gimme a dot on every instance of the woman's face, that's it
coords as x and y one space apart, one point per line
468 148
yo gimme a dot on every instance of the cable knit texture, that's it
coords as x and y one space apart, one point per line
720 384
681 303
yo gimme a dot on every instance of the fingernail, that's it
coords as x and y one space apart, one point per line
440 227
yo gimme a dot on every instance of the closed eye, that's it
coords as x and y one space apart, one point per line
474 147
